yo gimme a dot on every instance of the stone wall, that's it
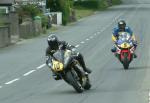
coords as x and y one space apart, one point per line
26 30
14 31
5 36
14 23
30 28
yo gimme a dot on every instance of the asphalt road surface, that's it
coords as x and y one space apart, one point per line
24 78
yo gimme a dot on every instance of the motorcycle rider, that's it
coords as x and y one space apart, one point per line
54 44
123 28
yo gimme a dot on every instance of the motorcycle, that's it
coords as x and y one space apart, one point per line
69 69
125 49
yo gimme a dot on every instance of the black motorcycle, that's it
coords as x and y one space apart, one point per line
69 69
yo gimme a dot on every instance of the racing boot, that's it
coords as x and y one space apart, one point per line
134 55
82 63
55 76
113 50
87 70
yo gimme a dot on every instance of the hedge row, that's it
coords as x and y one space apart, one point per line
96 4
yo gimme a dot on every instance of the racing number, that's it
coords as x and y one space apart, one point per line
57 66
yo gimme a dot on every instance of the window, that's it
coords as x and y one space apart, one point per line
3 10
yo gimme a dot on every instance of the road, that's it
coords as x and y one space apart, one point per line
25 79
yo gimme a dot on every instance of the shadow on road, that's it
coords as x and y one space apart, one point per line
133 68
140 67
64 92
71 92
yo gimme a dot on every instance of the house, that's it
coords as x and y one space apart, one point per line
6 2
6 6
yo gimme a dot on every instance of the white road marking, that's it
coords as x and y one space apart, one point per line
95 34
41 66
77 46
91 37
103 30
98 32
29 72
87 39
10 82
0 86
149 97
82 42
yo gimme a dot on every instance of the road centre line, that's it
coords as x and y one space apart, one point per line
29 72
149 97
41 66
77 46
10 82
98 32
103 29
87 39
82 42
91 37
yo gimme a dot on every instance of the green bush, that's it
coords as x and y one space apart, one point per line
116 2
65 11
61 6
29 10
54 5
44 20
90 4
95 4
103 4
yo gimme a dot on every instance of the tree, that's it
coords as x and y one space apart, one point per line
61 6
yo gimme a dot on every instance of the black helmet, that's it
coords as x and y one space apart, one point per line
122 25
53 41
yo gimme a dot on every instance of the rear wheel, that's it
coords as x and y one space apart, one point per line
72 78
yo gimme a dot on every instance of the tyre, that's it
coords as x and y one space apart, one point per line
72 79
126 62
126 66
88 84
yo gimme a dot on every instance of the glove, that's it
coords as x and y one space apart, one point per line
48 60
62 47
135 43
116 42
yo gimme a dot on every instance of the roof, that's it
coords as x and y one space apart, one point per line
22 0
6 2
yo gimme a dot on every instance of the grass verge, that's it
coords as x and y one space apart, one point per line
83 12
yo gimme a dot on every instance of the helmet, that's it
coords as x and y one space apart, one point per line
53 41
122 25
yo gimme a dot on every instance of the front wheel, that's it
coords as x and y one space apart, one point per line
87 85
72 79
126 61
126 66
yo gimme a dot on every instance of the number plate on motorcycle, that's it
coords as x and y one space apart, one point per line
125 45
57 66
